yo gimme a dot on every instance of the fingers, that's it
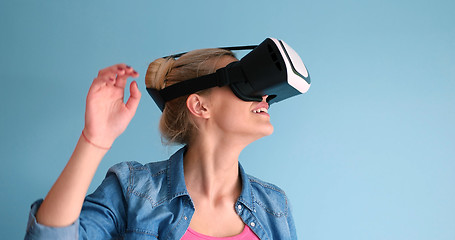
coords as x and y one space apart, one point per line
135 97
114 69
124 74
115 75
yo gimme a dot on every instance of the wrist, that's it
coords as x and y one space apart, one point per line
104 145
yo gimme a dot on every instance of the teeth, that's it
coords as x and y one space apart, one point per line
260 110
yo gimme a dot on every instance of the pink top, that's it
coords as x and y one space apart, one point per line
247 234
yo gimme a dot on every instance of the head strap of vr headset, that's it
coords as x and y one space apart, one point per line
218 79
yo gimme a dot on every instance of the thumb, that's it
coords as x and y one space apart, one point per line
135 97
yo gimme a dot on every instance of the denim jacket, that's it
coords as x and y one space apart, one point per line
151 201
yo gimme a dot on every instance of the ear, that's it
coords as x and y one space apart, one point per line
197 105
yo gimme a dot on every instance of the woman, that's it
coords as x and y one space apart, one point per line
199 193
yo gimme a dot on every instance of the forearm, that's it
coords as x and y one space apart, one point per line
63 203
106 117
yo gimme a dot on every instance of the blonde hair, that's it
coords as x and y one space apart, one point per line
176 125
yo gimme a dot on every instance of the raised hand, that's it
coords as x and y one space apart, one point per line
107 115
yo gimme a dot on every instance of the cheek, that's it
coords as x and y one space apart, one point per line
232 117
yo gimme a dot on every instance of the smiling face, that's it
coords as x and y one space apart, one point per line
234 117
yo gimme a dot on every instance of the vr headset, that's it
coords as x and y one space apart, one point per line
272 68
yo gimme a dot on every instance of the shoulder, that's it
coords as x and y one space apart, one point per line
269 197
138 171
144 181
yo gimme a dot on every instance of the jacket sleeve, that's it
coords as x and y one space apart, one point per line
291 224
39 231
102 216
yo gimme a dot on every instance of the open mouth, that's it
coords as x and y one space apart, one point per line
260 110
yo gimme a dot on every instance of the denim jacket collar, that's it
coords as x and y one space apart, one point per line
175 175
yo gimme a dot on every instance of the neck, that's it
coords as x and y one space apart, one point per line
212 170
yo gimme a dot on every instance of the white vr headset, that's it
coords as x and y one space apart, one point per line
272 68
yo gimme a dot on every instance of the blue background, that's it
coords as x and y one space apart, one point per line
367 153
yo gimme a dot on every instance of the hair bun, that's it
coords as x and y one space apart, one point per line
157 72
176 123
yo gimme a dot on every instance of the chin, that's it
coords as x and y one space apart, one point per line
270 131
267 131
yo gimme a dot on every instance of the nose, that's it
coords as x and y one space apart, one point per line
264 98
